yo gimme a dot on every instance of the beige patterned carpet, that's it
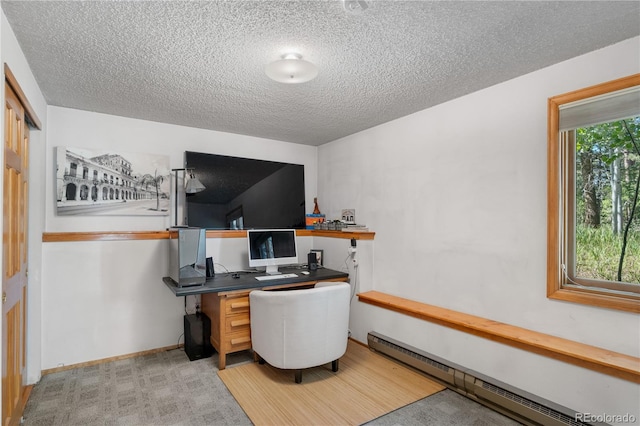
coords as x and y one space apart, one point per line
159 389
167 389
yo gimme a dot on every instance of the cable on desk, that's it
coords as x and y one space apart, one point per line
222 266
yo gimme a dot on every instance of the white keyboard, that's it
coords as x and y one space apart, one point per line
275 277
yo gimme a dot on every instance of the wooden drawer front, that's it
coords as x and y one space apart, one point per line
238 323
238 341
236 305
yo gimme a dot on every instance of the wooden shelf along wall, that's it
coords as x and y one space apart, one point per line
58 237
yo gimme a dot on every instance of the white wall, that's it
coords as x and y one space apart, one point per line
457 197
12 55
74 128
103 299
108 297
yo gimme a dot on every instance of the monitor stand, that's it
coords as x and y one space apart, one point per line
272 270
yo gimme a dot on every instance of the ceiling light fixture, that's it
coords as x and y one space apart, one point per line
291 69
355 6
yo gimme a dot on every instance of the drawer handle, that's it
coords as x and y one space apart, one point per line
238 323
238 305
240 340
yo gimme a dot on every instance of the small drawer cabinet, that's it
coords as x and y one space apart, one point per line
229 312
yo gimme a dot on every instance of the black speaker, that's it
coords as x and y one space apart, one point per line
312 262
210 271
197 332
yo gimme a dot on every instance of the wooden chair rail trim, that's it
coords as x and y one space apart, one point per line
58 237
343 234
591 357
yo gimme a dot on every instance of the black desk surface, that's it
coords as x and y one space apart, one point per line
247 280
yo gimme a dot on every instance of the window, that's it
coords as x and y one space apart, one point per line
593 236
235 219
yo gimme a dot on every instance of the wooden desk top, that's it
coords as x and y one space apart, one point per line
247 280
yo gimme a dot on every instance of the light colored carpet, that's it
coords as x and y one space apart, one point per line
165 388
366 386
159 389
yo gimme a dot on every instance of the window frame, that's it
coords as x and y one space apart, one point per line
558 223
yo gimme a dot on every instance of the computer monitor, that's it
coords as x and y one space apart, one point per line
271 248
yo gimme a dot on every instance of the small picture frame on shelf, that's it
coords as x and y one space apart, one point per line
319 255
349 216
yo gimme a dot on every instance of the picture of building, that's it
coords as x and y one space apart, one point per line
94 183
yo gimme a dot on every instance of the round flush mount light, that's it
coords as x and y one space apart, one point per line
355 6
291 69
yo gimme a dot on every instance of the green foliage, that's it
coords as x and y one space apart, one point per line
608 155
605 143
608 140
598 253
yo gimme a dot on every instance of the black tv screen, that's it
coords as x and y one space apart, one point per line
244 193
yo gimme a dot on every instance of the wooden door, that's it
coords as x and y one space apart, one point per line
14 265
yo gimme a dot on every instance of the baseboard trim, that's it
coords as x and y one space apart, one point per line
110 359
132 355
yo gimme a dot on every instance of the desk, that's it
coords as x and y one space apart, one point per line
225 300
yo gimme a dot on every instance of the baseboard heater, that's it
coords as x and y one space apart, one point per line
521 406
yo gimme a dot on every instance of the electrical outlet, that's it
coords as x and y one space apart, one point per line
354 262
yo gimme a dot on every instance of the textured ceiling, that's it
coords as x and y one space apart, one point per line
201 64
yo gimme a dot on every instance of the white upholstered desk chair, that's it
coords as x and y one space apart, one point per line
296 329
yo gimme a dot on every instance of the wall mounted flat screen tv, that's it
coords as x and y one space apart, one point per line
245 193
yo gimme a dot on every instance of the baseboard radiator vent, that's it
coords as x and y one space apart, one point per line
521 406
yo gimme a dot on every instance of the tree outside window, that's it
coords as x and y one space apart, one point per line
607 215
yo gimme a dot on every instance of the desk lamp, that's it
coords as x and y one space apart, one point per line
191 186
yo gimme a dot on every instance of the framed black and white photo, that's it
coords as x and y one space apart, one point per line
319 255
100 182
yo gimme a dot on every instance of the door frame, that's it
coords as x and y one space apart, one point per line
32 122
